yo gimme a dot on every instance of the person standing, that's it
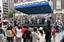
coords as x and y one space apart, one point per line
18 35
1 35
53 32
10 34
48 30
24 33
41 36
34 35
47 34
43 20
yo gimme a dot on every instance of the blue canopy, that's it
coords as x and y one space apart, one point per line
34 8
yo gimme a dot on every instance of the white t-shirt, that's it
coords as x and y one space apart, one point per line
19 33
42 38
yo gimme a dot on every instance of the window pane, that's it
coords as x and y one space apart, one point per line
58 4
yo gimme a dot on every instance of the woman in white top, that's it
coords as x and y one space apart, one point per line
19 35
41 36
34 35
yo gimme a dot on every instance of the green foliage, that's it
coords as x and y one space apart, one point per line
10 14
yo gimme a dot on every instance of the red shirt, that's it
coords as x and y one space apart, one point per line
53 31
24 30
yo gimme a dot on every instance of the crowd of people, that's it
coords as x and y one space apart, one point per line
23 33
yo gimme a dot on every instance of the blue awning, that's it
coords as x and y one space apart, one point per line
34 8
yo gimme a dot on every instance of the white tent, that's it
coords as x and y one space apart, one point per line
21 14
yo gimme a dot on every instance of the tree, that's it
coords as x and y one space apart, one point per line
10 14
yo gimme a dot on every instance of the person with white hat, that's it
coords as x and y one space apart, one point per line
41 35
41 28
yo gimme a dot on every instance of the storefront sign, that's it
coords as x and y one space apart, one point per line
57 11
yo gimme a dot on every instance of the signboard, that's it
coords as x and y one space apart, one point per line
57 11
